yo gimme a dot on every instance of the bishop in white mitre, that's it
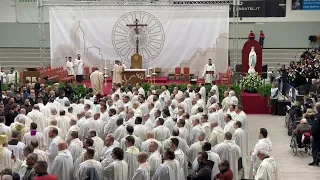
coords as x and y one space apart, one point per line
208 72
90 168
118 169
143 171
230 151
169 169
62 165
240 139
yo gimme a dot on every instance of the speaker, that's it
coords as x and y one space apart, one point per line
239 68
264 71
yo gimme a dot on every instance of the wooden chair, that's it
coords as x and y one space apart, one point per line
177 72
186 73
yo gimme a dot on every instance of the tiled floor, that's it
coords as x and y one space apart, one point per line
290 167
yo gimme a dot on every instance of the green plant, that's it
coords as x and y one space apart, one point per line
80 90
251 82
264 90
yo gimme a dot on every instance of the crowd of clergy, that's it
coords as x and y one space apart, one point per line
132 135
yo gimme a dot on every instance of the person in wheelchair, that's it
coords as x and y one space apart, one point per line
302 128
295 111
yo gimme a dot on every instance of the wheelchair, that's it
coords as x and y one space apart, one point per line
305 144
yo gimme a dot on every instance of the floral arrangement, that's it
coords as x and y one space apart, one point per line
251 82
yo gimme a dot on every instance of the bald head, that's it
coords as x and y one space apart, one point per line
53 111
62 146
23 111
53 122
150 135
36 106
88 115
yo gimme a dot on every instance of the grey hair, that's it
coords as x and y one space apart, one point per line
202 135
34 156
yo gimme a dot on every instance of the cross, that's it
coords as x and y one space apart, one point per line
136 26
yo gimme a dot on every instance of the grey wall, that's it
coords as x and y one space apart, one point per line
278 34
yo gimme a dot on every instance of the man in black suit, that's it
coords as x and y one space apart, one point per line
315 135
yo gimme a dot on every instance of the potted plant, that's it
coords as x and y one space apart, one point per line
251 82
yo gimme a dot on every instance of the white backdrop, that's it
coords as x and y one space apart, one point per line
174 36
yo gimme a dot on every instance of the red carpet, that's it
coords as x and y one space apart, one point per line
253 103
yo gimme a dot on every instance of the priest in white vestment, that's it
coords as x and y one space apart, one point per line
75 146
118 68
78 67
70 67
146 144
90 168
233 100
209 72
212 156
73 127
240 139
15 146
63 164
169 169
265 144
5 154
118 169
268 169
40 153
86 126
3 76
217 134
37 117
229 127
143 171
47 129
53 150
225 102
196 147
197 128
161 133
130 156
180 157
154 159
230 151
140 130
34 135
97 79
98 144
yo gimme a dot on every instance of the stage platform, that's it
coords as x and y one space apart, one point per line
253 103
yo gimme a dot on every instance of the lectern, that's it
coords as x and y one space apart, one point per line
31 74
136 61
136 74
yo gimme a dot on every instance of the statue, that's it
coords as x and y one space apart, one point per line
252 60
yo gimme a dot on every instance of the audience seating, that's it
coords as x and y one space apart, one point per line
225 78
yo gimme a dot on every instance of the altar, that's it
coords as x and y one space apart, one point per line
132 76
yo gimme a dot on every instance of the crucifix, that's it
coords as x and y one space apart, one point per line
136 26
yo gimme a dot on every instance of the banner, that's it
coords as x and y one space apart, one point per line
250 9
305 5
167 37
